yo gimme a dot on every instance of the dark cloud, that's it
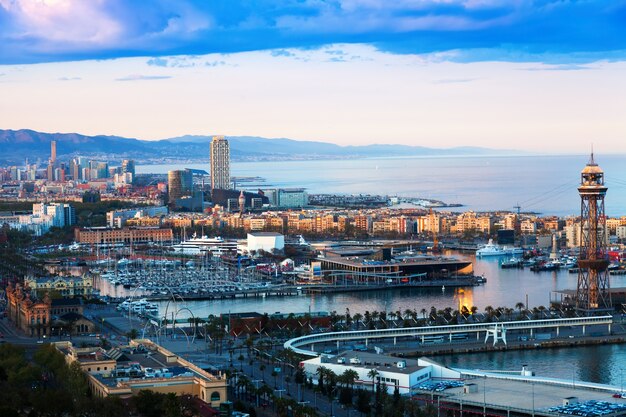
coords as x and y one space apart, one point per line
534 30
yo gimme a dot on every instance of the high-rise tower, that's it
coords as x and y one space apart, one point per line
179 184
220 163
592 292
53 152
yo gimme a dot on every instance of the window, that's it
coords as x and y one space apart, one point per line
215 396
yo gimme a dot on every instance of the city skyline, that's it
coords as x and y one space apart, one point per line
518 76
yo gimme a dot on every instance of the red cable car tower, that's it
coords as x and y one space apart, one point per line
592 293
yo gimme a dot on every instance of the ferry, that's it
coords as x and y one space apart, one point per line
204 244
492 249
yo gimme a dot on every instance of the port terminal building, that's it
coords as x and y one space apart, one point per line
464 392
360 263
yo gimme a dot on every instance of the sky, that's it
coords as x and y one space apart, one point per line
541 76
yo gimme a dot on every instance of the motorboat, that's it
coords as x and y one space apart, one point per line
512 263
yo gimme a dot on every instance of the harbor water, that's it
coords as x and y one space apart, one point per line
504 288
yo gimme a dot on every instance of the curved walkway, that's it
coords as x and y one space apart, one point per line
298 343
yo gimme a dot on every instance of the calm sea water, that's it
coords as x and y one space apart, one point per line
544 184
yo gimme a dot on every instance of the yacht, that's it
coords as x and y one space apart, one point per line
199 245
492 249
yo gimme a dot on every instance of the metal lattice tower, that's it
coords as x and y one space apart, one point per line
592 293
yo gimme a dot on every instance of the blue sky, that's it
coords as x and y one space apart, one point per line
34 31
522 74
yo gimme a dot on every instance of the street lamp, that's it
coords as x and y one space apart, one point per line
532 387
485 395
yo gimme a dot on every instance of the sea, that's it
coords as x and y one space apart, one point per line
541 184
546 185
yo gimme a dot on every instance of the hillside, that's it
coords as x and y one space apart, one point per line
17 145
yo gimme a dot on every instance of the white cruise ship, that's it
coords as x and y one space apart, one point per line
492 249
201 245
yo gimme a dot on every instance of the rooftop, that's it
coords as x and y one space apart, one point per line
374 361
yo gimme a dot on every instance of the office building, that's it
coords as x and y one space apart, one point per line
128 166
179 185
220 163
292 197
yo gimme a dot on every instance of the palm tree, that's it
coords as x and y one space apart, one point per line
357 319
321 374
542 310
331 379
350 376
373 374
520 306
240 358
489 311
433 313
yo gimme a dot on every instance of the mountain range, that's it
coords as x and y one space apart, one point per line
18 145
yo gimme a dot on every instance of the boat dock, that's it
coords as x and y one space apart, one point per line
295 290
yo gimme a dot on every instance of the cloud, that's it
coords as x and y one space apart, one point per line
184 62
563 67
140 77
282 52
157 62
70 79
454 80
62 30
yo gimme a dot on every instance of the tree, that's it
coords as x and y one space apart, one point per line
363 402
132 334
373 373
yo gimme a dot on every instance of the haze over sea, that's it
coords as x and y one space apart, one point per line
542 184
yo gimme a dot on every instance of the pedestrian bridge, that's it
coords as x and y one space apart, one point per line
305 345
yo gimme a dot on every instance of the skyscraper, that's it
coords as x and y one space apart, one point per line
220 163
128 166
53 152
179 184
